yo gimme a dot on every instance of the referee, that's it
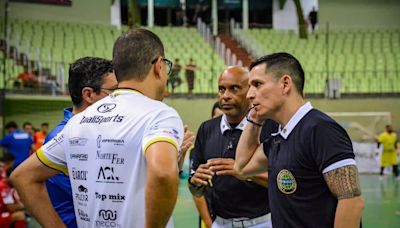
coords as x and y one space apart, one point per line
235 201
313 178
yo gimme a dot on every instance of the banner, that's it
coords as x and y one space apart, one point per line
52 2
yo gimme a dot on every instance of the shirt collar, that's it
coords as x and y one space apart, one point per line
68 113
301 112
224 125
120 91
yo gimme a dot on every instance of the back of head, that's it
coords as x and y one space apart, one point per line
87 72
279 64
133 54
11 125
7 157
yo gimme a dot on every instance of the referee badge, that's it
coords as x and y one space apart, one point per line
286 182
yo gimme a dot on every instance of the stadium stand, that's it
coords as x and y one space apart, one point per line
57 44
367 61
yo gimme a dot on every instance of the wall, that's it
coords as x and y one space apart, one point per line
361 14
84 11
286 19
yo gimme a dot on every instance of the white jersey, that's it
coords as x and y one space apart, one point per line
102 150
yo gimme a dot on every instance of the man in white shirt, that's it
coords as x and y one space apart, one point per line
120 153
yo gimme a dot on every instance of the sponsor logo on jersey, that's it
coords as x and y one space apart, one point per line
107 218
101 119
79 174
83 215
116 198
80 157
77 141
107 175
114 158
81 196
107 107
54 142
115 142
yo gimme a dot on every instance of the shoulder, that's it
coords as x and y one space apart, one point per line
211 124
317 119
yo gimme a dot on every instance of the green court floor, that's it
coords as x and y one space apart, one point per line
382 204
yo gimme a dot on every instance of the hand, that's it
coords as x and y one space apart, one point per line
253 116
202 176
188 140
224 166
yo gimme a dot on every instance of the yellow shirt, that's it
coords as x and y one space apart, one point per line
388 141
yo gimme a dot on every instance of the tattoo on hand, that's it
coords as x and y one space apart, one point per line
344 182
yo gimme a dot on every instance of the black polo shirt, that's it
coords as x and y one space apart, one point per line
229 197
298 156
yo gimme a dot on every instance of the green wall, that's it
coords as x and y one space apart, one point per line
83 11
359 14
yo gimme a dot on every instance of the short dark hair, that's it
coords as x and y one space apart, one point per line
45 124
134 52
25 124
11 124
215 106
279 64
87 72
7 157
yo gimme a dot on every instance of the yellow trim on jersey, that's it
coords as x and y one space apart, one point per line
118 91
160 139
42 157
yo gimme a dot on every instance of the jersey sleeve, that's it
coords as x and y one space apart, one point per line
332 147
167 126
196 155
52 154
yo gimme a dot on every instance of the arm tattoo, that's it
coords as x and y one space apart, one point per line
343 182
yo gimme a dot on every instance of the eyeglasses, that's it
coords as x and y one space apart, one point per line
167 62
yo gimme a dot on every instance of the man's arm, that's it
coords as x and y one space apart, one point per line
201 205
28 179
161 184
344 184
248 146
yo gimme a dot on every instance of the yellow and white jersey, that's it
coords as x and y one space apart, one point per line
103 148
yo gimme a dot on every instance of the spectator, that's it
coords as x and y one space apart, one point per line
40 136
28 128
174 80
27 78
190 76
313 18
11 210
16 142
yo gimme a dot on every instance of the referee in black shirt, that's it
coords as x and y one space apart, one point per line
235 201
313 178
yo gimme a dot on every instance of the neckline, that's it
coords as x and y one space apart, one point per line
128 88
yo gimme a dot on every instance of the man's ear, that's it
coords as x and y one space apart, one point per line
287 84
157 68
87 95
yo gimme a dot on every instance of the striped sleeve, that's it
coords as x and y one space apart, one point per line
167 127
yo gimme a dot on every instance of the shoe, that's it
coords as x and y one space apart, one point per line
398 178
381 178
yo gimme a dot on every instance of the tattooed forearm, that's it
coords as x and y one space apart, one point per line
344 182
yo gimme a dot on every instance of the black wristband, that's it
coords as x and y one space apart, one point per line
251 121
